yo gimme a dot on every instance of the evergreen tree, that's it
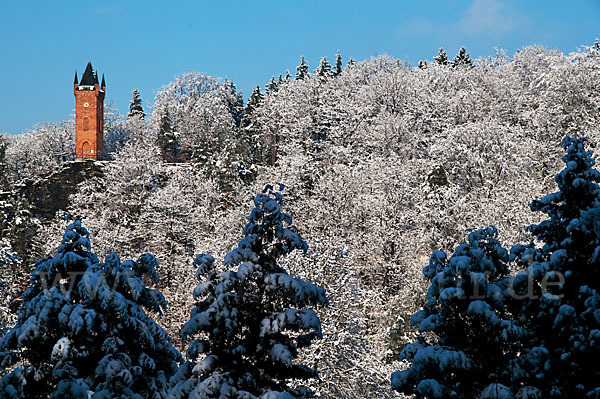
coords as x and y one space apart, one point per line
235 102
272 85
17 222
465 310
166 138
256 146
534 335
442 58
82 328
302 69
248 324
351 62
597 45
254 102
3 166
323 71
135 107
422 64
338 64
562 283
9 288
288 77
462 59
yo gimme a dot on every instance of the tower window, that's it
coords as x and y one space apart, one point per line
86 123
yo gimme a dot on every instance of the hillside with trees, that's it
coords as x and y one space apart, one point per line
383 163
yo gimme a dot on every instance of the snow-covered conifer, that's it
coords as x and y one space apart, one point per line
302 69
256 146
250 322
82 329
441 58
236 102
135 107
462 59
560 284
3 165
323 71
9 270
272 85
338 64
166 138
464 309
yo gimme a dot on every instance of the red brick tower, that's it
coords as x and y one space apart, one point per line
89 115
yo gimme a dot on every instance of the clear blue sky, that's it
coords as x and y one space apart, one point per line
145 44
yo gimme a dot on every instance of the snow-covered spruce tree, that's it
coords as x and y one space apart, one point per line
560 285
441 58
82 329
235 103
135 107
272 85
9 274
257 143
248 324
338 64
166 138
302 69
464 310
462 59
3 165
323 71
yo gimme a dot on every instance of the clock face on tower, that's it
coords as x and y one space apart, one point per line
86 105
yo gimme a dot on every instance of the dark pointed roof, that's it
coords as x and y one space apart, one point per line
88 78
95 78
75 82
103 83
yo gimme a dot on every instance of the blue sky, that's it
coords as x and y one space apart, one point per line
145 44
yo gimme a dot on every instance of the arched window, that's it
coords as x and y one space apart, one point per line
86 150
86 123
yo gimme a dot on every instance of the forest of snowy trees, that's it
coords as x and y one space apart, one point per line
409 269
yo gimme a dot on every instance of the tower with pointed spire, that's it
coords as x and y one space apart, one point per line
89 115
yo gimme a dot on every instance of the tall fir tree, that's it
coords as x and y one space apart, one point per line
82 328
254 102
323 71
235 102
338 64
532 335
135 107
166 138
272 86
302 69
561 284
462 59
3 165
287 77
248 324
465 310
257 147
441 58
